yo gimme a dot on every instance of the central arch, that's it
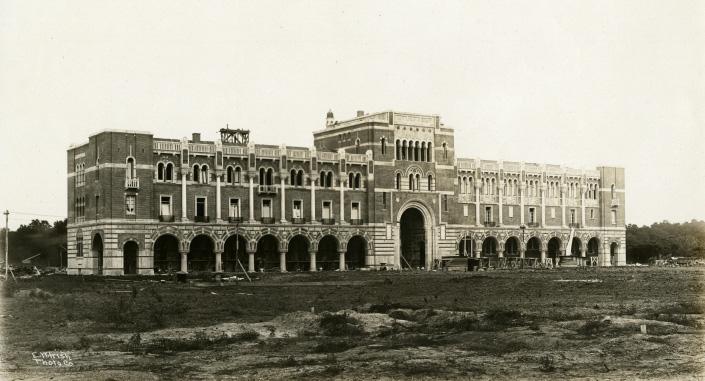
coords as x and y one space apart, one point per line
166 254
235 253
415 227
97 249
356 253
201 256
297 257
129 257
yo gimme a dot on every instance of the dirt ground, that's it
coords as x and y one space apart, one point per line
587 324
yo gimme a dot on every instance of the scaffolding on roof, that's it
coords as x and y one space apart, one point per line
235 136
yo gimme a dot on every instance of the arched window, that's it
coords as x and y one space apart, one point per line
357 145
261 176
160 171
130 170
270 176
398 182
403 150
417 157
430 182
204 174
417 186
300 178
612 190
410 151
445 150
384 146
398 150
411 182
322 179
350 180
461 181
292 178
428 154
329 179
229 175
357 181
492 186
169 172
423 151
196 173
238 175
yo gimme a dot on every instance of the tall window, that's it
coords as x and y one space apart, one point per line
79 246
357 181
613 214
572 216
488 214
196 173
612 190
327 210
398 150
351 181
423 151
130 169
417 186
384 200
238 175
384 146
428 154
532 215
357 145
430 182
297 212
165 206
592 213
355 211
160 171
270 176
403 150
234 208
200 206
266 208
329 180
411 182
398 182
445 150
300 178
169 176
262 175
130 201
445 202
204 174
292 177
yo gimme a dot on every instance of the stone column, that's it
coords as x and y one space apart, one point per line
582 256
522 253
478 185
219 261
184 261
217 200
501 212
522 190
543 255
252 198
313 199
543 204
183 197
250 261
341 263
564 188
312 255
582 205
283 200
342 200
282 261
500 253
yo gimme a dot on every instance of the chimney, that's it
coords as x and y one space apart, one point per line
360 113
196 137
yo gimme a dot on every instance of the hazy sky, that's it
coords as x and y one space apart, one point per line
566 82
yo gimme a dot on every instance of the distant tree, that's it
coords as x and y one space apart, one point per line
664 239
38 237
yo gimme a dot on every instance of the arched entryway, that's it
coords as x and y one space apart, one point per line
465 247
593 250
554 247
166 254
267 255
97 251
511 247
234 250
328 257
575 247
613 253
413 239
129 257
489 247
533 248
201 256
297 257
356 253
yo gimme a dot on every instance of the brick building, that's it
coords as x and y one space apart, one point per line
382 189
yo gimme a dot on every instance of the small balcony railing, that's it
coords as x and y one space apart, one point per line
574 225
267 189
328 221
267 220
298 220
490 224
356 221
132 183
201 218
234 220
166 218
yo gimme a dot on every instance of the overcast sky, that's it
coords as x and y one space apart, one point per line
566 82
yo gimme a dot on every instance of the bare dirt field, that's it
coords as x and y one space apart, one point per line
588 324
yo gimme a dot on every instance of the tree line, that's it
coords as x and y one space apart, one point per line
663 240
41 238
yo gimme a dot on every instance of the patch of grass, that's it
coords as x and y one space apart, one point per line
547 364
410 341
333 346
340 325
594 327
200 342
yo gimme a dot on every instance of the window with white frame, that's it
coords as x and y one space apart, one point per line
572 216
488 214
553 212
130 201
267 208
465 210
510 211
614 217
234 208
327 211
201 206
79 246
355 211
532 215
298 209
165 206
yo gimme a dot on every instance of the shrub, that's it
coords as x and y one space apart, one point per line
593 327
547 364
340 325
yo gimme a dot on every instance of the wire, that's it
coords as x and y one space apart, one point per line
37 214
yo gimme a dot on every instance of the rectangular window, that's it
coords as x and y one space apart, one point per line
465 210
79 246
592 214
614 217
445 202
355 211
510 212
532 215
297 212
165 206
327 212
267 208
130 201
234 207
553 212
488 214
572 216
200 206
384 200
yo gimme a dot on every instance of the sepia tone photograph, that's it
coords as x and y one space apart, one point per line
352 190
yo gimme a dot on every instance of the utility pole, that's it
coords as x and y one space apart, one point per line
7 237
